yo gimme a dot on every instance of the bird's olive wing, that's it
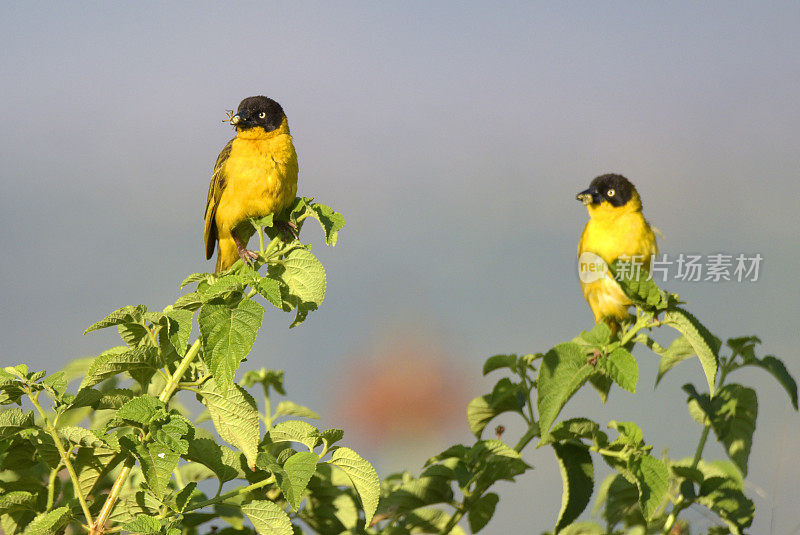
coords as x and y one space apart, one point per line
214 193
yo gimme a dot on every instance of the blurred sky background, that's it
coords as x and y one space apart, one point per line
453 136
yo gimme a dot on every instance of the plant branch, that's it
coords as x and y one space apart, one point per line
235 492
64 455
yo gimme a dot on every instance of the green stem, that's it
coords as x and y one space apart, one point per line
51 487
166 394
454 519
64 455
267 408
172 384
641 323
235 492
698 454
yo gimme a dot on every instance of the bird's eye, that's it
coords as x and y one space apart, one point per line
611 193
262 115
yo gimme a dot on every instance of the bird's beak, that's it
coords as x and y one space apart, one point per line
240 117
587 197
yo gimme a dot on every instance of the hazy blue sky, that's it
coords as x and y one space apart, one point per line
453 136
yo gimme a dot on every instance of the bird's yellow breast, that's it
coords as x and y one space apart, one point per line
261 177
611 233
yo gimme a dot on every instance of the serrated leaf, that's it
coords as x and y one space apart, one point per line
564 370
300 467
219 459
577 475
228 334
482 511
679 350
723 496
183 497
304 282
621 366
332 436
235 416
428 520
497 362
653 477
195 277
14 420
268 518
270 289
778 370
45 447
576 429
178 329
364 478
49 523
289 408
330 221
704 343
506 396
17 500
118 360
91 464
80 436
639 287
143 525
419 492
134 334
734 421
157 462
142 409
295 431
267 378
126 314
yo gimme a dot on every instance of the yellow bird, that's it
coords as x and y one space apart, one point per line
616 228
255 175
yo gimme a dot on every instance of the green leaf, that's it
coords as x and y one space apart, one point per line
121 316
304 282
586 528
679 350
142 409
576 429
220 459
428 520
270 289
184 496
419 492
228 334
577 475
653 483
267 378
482 511
235 416
156 460
725 498
621 366
497 362
12 421
118 360
778 370
639 287
597 338
330 221
195 277
364 478
506 396
299 467
80 437
178 329
705 345
17 500
734 421
134 334
564 370
91 464
144 525
268 518
295 431
289 408
49 523
45 447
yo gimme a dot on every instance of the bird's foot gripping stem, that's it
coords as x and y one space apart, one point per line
245 254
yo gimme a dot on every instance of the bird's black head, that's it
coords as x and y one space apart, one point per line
258 111
616 189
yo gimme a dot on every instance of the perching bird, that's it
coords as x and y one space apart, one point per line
255 175
616 228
